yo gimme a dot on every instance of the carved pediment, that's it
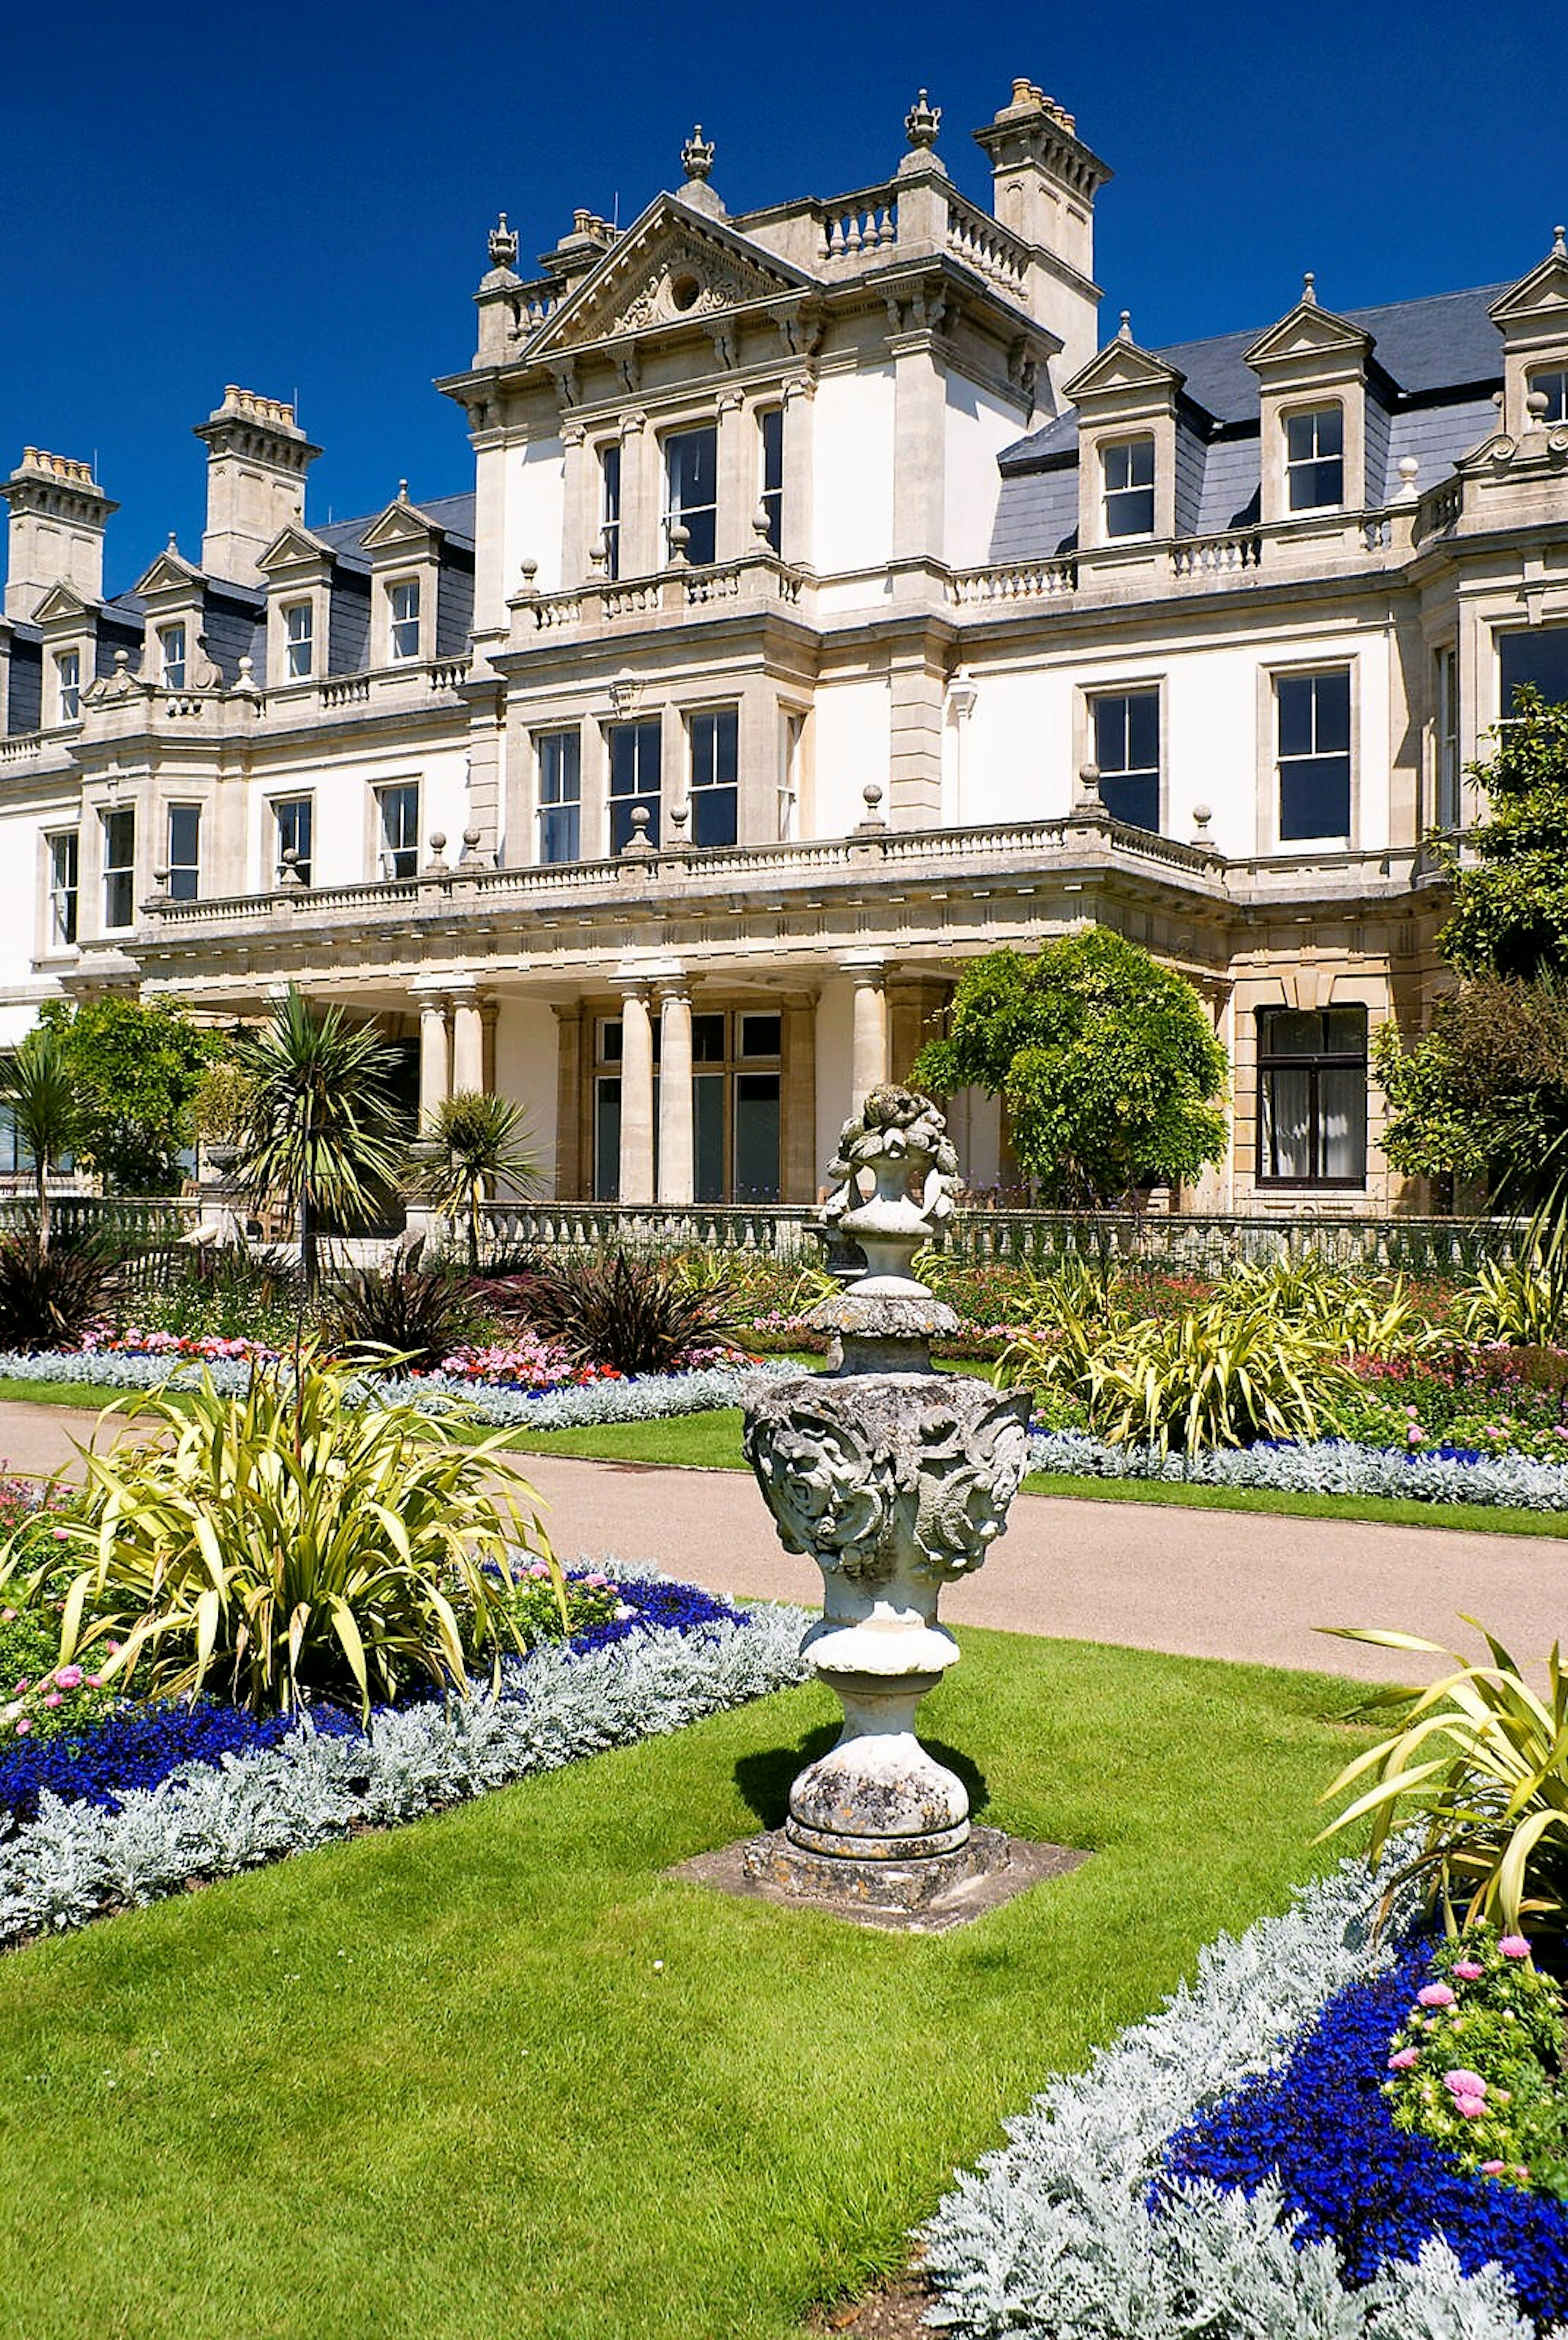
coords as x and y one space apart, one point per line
402 526
61 603
168 573
1539 299
1309 332
1122 366
292 547
673 265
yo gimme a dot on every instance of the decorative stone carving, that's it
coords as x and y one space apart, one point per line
896 1480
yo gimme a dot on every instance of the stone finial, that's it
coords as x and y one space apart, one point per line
871 796
402 491
1309 290
697 155
1201 818
436 866
288 867
1088 785
1125 329
898 1176
502 245
471 858
160 881
247 683
1536 406
679 538
922 122
1559 243
638 842
679 815
1409 470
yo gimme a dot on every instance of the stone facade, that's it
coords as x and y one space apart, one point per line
829 605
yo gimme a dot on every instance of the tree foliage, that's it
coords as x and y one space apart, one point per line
38 1087
133 1071
1107 1062
1483 1094
474 1142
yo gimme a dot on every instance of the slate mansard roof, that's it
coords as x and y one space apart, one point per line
1442 360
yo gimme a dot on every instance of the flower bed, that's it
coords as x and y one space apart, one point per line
1328 1466
1231 2169
135 1808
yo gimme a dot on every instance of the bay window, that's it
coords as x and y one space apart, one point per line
1312 1097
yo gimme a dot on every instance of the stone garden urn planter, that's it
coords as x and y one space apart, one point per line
896 1480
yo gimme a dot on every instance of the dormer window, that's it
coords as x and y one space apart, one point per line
68 686
402 601
1314 458
1128 470
691 492
299 640
172 656
1551 383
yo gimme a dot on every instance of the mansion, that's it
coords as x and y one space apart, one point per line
833 602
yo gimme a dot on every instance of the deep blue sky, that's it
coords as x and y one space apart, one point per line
297 199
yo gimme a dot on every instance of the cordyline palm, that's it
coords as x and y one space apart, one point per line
37 1088
324 1128
471 1142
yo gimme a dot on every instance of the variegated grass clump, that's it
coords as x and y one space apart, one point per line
290 1542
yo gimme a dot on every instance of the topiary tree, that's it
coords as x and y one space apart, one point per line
475 1141
133 1071
1105 1060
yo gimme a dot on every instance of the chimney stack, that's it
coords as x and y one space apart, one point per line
58 515
1044 181
257 457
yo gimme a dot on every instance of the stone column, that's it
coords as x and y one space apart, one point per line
868 1056
576 528
677 1162
467 1043
635 1098
641 550
489 1015
434 1074
733 536
798 1182
571 1183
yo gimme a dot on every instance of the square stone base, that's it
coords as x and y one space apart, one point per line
909 1897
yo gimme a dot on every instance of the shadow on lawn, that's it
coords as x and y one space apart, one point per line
764 1778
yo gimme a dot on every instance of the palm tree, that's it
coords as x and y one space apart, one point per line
37 1088
324 1126
474 1139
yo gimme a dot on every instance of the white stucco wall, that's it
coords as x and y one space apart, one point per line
852 471
525 1069
535 514
851 747
977 426
346 835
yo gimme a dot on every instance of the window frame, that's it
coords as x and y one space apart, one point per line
295 641
1104 695
119 878
277 807
1317 670
397 859
399 622
173 664
65 891
1535 379
707 730
1447 808
771 475
619 831
1297 468
705 554
612 510
1273 1060
550 809
1115 494
68 692
182 871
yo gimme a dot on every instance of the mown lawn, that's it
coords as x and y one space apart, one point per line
438 2083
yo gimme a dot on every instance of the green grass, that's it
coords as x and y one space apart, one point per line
711 1442
434 2082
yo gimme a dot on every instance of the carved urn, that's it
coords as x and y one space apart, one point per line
896 1480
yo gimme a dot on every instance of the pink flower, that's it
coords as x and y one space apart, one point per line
1436 1994
69 1677
61 1535
112 1648
1415 1436
1493 2169
1514 1946
94 1682
51 1698
1467 1971
1403 2060
1472 2107
22 1687
24 1727
1465 2084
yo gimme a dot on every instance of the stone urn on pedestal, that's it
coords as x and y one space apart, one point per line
896 1480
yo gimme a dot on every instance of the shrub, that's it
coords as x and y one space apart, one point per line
50 1298
293 1542
1482 1764
1360 1312
633 1315
1521 1301
412 1313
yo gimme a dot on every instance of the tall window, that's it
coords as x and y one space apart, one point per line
1540 658
402 603
1129 471
1552 382
119 869
295 817
1314 458
299 639
791 736
635 767
560 796
68 686
1446 739
691 490
736 1084
397 814
610 507
172 656
770 425
64 882
1313 716
715 754
1311 1097
1127 752
184 852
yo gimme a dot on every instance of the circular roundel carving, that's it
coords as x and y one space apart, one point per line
684 292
